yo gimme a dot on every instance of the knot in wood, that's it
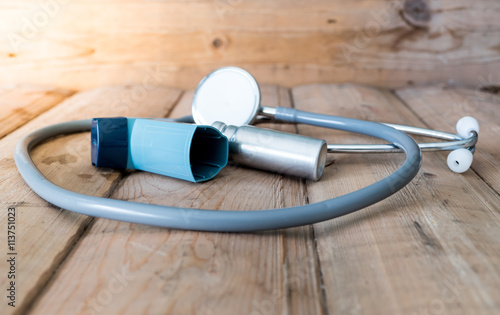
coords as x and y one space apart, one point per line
417 13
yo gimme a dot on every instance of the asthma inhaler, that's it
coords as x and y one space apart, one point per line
190 152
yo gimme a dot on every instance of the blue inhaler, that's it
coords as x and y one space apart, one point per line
185 151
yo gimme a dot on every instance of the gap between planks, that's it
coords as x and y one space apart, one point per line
323 302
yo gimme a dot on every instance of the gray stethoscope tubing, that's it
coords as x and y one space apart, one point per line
226 221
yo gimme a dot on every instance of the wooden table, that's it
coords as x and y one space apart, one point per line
432 248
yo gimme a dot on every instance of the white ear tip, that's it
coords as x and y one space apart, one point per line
459 160
466 125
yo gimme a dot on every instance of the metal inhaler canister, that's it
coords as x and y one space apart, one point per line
184 151
275 151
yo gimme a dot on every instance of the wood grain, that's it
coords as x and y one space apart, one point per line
20 104
433 248
179 272
455 104
46 234
85 44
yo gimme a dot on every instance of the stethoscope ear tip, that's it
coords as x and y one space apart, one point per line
466 125
460 160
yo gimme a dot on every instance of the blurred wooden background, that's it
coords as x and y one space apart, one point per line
81 44
433 248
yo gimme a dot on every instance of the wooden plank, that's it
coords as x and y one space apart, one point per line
244 14
455 104
20 104
433 248
389 43
182 272
46 234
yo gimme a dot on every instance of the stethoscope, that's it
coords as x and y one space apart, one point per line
211 99
228 100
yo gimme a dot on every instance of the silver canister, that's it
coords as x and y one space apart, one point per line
275 151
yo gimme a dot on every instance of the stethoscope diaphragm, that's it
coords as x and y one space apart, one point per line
230 95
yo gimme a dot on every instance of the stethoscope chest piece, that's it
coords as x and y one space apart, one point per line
230 95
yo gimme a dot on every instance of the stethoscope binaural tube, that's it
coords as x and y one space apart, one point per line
225 221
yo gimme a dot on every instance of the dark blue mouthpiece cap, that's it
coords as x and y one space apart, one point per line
109 142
